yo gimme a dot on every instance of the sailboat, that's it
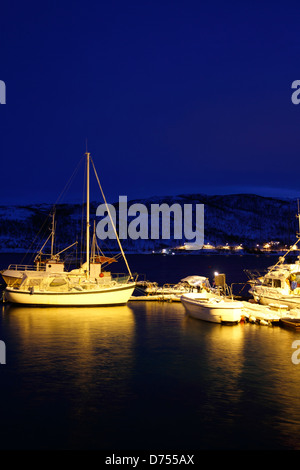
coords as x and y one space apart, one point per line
88 285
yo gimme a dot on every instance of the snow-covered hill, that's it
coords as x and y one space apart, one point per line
234 219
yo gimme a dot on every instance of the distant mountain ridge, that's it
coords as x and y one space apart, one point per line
235 219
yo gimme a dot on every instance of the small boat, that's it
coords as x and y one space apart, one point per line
293 323
153 298
218 309
188 284
281 283
171 292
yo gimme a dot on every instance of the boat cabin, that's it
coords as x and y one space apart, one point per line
53 266
277 280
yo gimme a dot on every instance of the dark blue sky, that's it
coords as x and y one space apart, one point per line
172 96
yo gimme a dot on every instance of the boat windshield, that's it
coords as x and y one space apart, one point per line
268 282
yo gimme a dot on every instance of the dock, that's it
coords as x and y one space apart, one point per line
157 298
263 314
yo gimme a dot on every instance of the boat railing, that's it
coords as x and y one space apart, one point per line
26 267
168 286
254 274
122 277
242 286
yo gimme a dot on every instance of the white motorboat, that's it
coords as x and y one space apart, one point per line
215 309
172 292
188 284
86 286
281 284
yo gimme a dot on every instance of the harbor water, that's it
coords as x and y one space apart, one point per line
145 375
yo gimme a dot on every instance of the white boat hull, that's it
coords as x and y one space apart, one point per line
267 298
99 297
212 309
291 303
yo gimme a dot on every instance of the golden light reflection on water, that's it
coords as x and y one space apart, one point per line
79 337
76 362
170 310
221 352
101 362
250 367
84 321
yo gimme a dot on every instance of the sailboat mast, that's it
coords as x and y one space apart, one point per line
298 217
52 235
88 213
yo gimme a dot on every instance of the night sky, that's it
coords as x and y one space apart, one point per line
172 97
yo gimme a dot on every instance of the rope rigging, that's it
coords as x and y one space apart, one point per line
111 220
43 233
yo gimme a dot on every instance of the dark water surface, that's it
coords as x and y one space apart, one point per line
146 376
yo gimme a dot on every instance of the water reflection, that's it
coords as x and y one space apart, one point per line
251 386
81 326
73 369
158 311
81 337
145 375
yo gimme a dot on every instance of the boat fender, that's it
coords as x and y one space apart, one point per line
101 275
